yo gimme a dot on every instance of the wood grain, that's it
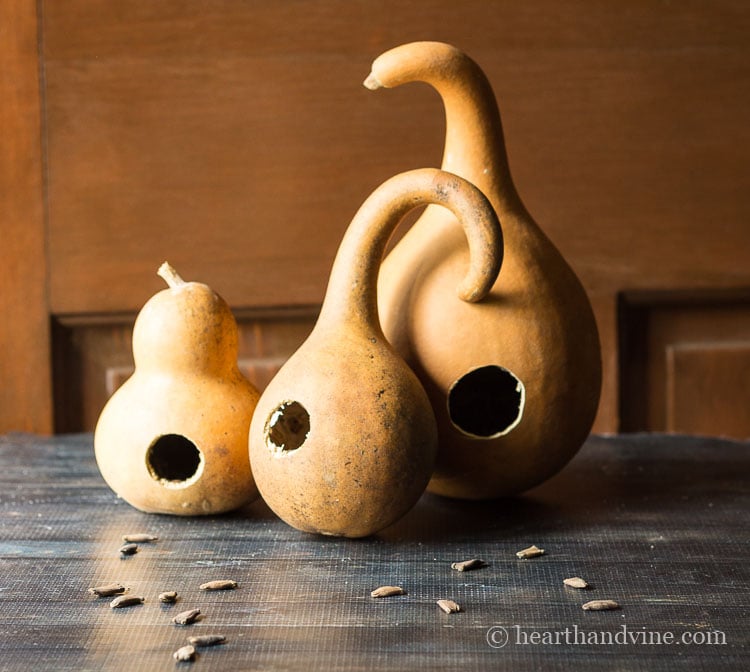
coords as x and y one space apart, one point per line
656 523
25 392
231 133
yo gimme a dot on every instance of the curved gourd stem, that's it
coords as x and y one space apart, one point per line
471 113
352 293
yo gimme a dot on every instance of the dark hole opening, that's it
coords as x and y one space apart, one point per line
173 458
486 402
288 426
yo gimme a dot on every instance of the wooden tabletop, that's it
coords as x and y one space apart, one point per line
658 524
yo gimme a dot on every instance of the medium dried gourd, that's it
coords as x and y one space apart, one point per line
173 438
343 439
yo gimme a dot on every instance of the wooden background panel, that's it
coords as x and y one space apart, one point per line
708 388
231 131
668 341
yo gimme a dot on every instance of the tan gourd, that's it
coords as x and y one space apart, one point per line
173 438
343 438
514 380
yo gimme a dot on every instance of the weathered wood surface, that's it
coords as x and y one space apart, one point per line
657 523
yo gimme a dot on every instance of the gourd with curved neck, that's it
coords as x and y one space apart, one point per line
173 438
515 379
343 439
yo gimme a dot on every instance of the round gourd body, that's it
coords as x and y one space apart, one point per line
173 438
343 439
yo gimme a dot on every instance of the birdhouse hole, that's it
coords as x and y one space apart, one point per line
287 427
486 402
174 460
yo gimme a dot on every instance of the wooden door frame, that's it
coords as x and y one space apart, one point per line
25 367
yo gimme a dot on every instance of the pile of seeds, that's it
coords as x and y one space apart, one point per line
187 652
117 590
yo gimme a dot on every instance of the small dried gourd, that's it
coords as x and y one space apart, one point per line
173 438
343 438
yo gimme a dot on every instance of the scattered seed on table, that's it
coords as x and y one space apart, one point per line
129 549
139 538
125 601
448 606
466 565
168 597
185 653
187 617
530 552
107 591
207 640
220 584
576 582
387 591
600 605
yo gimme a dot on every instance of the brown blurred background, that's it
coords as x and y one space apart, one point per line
235 139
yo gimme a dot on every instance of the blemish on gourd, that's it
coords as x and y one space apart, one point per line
486 402
287 427
174 461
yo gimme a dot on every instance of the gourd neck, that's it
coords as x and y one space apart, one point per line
351 298
474 143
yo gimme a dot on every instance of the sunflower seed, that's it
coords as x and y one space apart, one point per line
108 590
466 565
139 538
129 549
576 582
187 617
530 552
387 591
185 653
221 584
207 640
125 601
600 605
448 606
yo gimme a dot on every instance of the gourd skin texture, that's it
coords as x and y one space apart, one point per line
367 453
186 383
536 322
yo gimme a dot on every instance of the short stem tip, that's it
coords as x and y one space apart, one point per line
170 276
372 82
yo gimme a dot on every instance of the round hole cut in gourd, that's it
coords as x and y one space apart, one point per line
174 461
486 402
287 427
343 439
173 438
536 320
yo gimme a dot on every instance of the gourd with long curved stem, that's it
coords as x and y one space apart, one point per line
514 380
343 439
